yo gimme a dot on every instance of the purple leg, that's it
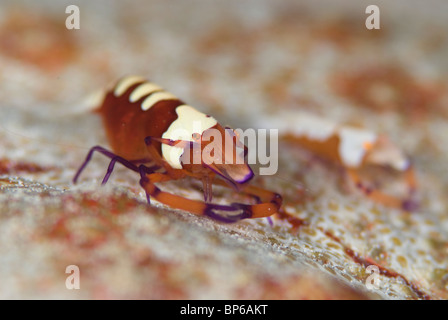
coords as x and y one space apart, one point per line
125 162
128 164
143 179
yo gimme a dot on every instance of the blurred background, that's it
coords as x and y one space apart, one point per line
242 62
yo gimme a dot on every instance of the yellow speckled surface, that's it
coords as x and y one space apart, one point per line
240 61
